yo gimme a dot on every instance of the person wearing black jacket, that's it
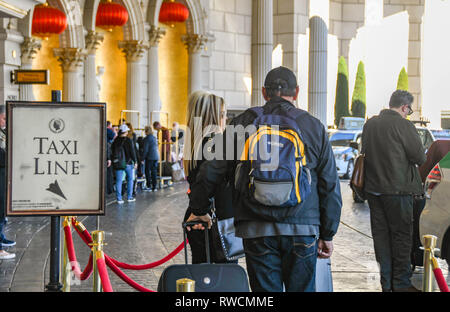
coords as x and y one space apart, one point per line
281 249
211 109
150 158
393 150
125 144
4 255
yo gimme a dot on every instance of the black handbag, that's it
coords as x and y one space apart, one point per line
228 246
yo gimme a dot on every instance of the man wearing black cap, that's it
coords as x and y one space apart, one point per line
281 249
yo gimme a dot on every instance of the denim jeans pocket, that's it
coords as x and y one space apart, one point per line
256 246
304 246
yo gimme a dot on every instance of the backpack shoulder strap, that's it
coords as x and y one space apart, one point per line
257 110
294 113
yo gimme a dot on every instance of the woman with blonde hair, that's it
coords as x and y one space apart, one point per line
206 117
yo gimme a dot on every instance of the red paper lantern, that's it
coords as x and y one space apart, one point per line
173 12
47 21
110 15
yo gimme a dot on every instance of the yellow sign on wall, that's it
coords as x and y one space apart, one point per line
38 76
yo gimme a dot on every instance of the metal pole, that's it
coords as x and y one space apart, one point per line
185 285
429 243
67 269
55 235
97 245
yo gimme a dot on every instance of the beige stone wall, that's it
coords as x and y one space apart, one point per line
229 59
290 18
415 9
346 16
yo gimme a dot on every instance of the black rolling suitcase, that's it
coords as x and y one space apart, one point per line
208 277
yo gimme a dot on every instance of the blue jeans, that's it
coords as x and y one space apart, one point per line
2 225
276 260
120 175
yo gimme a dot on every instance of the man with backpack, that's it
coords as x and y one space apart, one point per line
288 210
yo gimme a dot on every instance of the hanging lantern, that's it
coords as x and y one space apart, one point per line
110 15
47 21
173 12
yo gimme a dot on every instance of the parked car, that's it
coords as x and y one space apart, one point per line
441 134
351 123
435 218
426 136
344 154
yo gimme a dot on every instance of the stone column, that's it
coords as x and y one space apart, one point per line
91 88
317 80
262 46
71 61
29 48
415 57
194 44
154 101
134 51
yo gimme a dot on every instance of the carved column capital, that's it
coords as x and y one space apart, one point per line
29 48
133 49
193 42
155 35
71 59
93 40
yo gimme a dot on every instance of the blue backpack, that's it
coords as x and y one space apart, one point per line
274 159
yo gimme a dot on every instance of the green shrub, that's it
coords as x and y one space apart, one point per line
403 82
359 93
341 102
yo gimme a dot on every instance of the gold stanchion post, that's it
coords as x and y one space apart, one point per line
185 285
429 242
66 269
98 238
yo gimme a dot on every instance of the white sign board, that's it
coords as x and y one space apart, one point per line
56 158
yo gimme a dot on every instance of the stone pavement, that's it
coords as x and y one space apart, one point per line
148 229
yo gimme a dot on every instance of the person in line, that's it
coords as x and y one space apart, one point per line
133 136
110 133
4 255
110 136
150 158
165 141
393 150
281 246
125 144
211 110
177 137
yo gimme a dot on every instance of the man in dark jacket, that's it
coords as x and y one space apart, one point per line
150 156
393 150
282 249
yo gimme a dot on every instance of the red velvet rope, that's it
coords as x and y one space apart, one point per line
124 277
440 280
114 264
149 265
104 277
73 258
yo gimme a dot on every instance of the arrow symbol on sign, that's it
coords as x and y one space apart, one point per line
54 188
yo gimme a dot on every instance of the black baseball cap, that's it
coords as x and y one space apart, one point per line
280 78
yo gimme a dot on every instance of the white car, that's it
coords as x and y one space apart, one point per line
435 218
344 153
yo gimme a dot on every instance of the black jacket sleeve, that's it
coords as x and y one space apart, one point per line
329 189
209 177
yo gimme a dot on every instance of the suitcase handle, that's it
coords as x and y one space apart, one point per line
192 223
